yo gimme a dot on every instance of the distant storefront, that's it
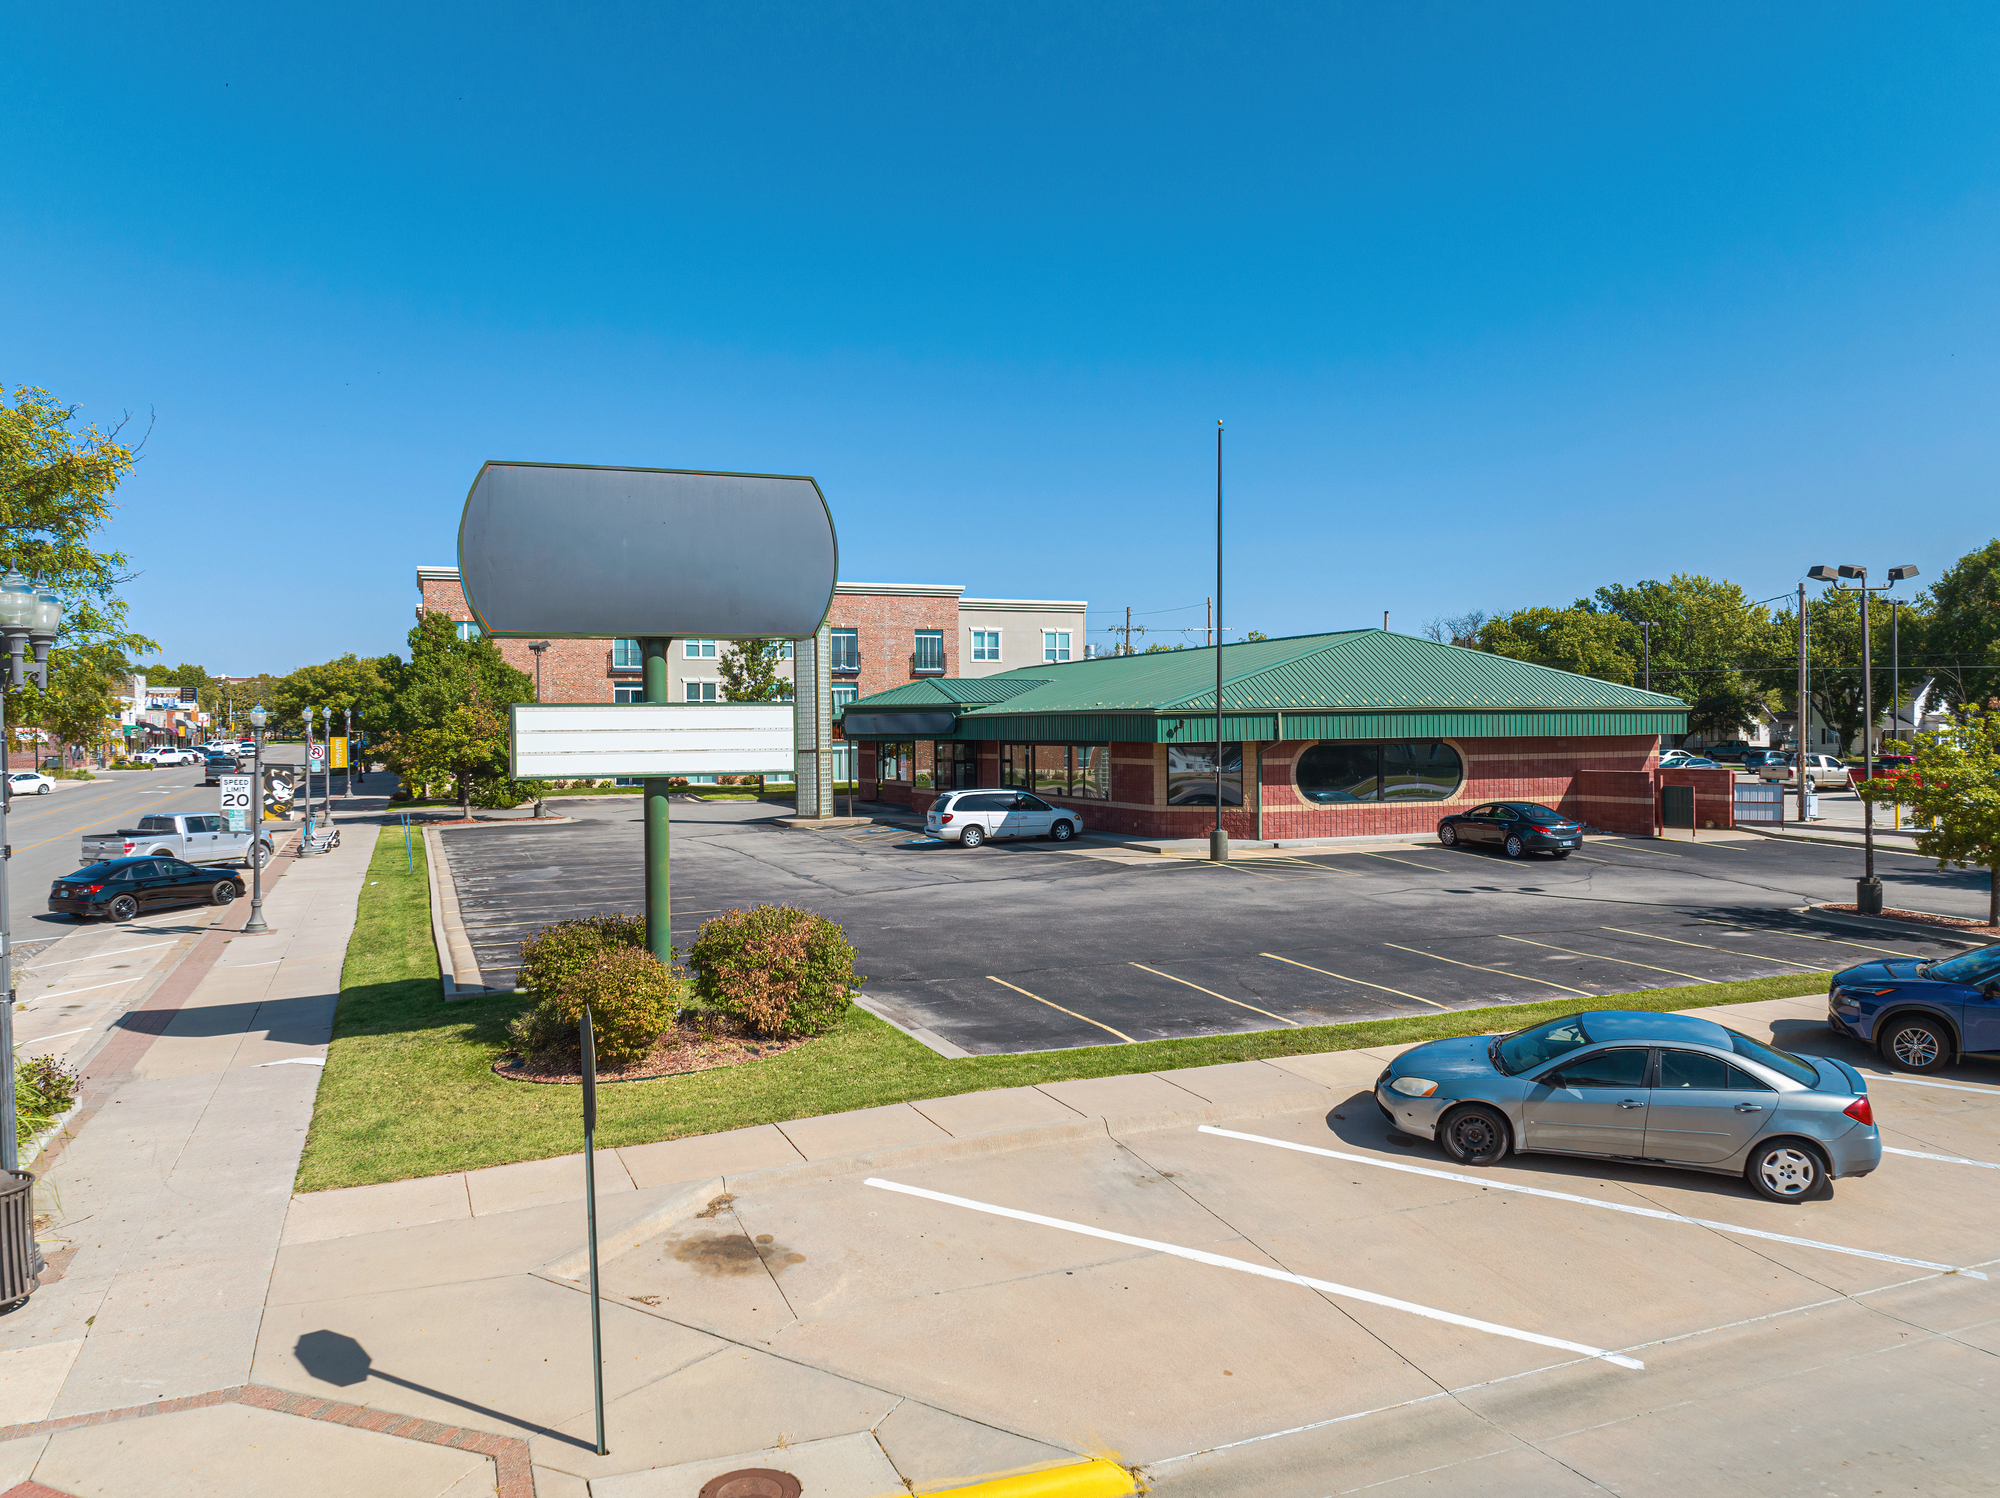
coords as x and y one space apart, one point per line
1361 732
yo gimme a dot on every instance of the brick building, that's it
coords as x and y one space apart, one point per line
884 635
1357 733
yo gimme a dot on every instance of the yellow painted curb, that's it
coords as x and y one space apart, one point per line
1078 1480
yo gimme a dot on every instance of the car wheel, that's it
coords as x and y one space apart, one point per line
972 837
1062 832
1474 1135
1917 1045
1514 847
43 790
1786 1170
123 908
222 892
1448 835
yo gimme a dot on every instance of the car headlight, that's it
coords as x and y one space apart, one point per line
1413 1086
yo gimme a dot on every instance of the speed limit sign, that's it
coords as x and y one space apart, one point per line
239 795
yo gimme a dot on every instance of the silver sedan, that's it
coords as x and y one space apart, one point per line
1652 1089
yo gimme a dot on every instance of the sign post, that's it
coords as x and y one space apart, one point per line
659 819
589 1039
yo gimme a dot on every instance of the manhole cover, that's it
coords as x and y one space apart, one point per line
752 1482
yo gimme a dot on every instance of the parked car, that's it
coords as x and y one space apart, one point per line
192 839
120 888
1756 759
215 766
1822 771
1689 762
1920 1015
1640 1088
29 783
1674 758
168 756
1732 750
972 817
1515 827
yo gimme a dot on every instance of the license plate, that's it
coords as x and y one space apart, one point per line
1570 843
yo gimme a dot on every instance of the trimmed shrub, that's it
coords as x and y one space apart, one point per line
632 997
782 971
548 959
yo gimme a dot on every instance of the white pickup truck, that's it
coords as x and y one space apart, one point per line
195 839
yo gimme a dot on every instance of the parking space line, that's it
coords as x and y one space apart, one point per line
1925 1155
92 989
1387 859
1499 970
1263 1271
1731 951
1329 972
1656 852
119 952
1600 957
1584 1201
1214 995
1883 1076
1801 936
1070 1012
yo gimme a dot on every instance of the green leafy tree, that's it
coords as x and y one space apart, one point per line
1961 638
1954 789
1704 629
1579 638
750 673
56 483
350 681
447 710
1725 707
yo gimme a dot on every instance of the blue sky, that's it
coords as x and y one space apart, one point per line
1498 302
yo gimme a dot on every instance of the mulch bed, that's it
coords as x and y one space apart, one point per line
1925 918
681 1050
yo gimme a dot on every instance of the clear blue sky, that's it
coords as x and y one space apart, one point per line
1499 302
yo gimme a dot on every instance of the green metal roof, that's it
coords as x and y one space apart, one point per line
1353 672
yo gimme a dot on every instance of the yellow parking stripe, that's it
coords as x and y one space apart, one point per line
1070 1012
1329 972
1501 971
1363 853
1801 936
1599 956
1214 995
1729 951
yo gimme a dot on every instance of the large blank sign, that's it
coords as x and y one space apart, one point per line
564 741
555 551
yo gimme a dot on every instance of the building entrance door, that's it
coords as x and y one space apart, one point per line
956 766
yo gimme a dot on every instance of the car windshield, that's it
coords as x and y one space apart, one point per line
1975 966
1784 1063
1541 814
1516 1053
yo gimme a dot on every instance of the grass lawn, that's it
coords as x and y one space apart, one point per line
408 1090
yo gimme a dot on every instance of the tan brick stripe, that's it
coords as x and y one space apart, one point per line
509 1454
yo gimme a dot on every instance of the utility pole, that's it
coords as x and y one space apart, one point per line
1210 631
1646 676
1130 629
1218 840
1799 739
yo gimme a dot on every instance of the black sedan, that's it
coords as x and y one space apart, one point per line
121 888
1516 828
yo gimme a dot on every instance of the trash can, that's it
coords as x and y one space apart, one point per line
20 1261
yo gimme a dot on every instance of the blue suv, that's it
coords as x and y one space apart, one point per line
1920 1015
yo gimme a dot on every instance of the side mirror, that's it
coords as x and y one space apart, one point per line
1553 1079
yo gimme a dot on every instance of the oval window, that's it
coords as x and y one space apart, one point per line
1341 773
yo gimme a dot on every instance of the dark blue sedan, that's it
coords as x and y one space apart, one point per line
1920 1015
1516 828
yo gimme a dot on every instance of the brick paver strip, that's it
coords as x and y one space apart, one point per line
509 1454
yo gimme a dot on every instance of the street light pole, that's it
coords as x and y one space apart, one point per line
20 612
1218 840
538 646
1799 728
347 727
255 925
1646 671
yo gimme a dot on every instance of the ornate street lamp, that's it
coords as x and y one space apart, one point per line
255 925
18 606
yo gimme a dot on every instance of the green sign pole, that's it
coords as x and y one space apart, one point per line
659 902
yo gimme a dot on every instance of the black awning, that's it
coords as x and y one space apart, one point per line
936 724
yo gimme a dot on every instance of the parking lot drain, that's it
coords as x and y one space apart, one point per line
1264 1271
1563 1196
752 1482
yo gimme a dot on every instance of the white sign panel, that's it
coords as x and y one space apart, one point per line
573 741
239 795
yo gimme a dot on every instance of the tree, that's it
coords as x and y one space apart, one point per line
1704 629
447 709
1725 707
1962 639
1456 629
347 682
56 483
1954 788
1578 638
750 673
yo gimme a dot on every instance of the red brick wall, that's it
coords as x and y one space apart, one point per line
1714 795
572 670
886 625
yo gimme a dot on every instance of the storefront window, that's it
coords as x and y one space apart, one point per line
1090 772
1191 774
1052 769
1014 765
898 761
1334 773
957 765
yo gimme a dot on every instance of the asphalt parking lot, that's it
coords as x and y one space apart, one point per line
1018 947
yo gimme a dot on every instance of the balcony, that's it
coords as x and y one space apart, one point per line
845 663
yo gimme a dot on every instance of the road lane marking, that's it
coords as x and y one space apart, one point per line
1800 936
1948 1159
38 1039
1214 995
1731 951
143 947
1600 957
1883 1076
296 1061
1329 972
1263 1271
1070 1012
92 989
1656 1213
1499 970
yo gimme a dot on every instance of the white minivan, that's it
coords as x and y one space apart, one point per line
973 816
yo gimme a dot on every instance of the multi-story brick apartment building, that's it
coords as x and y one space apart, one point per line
884 635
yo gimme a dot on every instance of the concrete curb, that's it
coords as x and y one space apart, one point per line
458 969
